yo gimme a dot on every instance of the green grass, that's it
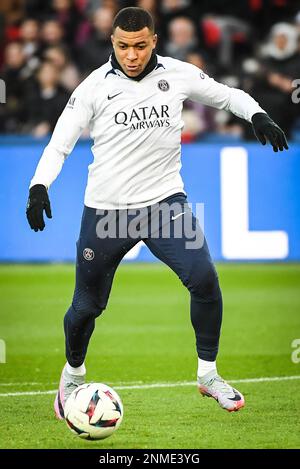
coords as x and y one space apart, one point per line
145 336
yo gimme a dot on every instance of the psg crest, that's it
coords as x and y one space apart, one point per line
163 85
88 254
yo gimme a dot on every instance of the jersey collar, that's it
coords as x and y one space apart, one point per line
151 65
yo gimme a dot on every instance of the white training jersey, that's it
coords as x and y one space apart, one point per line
136 129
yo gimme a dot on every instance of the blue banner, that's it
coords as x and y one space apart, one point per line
251 200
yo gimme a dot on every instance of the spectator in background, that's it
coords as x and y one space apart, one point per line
182 38
13 10
11 13
198 119
93 5
95 52
14 73
45 101
278 66
76 33
196 58
171 9
68 16
152 7
149 5
30 38
69 76
297 23
38 9
52 34
282 49
2 35
173 6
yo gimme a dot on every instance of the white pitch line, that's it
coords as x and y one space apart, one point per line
55 383
23 384
259 380
27 393
160 385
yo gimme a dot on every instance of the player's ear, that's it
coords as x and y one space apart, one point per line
154 40
112 39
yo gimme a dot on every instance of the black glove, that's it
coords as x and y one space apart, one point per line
264 128
38 201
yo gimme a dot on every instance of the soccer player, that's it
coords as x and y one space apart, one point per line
132 106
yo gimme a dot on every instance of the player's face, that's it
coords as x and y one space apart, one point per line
133 49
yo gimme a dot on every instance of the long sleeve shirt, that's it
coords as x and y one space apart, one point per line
136 131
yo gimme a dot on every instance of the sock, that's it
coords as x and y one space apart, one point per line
205 367
79 371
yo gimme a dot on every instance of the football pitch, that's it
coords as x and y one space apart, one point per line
144 347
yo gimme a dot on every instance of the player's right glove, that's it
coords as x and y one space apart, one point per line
38 201
265 128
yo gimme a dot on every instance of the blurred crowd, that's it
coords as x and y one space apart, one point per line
49 46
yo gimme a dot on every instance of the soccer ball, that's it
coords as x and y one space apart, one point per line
93 411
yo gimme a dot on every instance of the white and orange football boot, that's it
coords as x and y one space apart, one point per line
67 385
212 385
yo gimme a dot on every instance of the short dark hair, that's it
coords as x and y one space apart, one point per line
133 19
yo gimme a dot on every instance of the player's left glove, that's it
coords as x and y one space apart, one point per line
38 201
265 128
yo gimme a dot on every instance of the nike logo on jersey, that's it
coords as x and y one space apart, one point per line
113 96
177 216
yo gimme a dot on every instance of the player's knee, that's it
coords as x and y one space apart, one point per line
204 283
85 309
